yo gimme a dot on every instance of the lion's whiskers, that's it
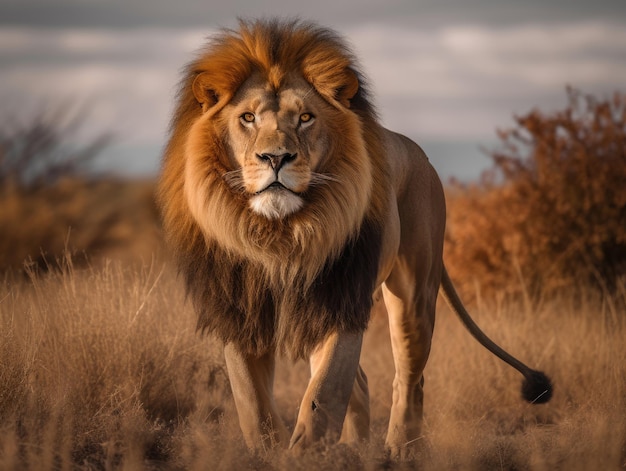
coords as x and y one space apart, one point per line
234 179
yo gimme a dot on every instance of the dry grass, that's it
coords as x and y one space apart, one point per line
99 367
102 369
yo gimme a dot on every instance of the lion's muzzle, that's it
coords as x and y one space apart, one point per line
277 161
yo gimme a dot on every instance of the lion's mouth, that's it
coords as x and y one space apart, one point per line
276 186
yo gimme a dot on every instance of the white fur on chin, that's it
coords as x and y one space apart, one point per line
275 204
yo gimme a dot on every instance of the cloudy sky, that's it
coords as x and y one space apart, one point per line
447 73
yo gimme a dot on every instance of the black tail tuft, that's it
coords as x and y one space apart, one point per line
537 388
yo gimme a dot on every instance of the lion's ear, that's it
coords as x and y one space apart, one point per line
348 89
204 91
338 84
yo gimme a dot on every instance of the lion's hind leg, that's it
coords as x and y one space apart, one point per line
356 426
252 380
411 321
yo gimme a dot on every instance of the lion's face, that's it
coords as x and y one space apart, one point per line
269 155
276 144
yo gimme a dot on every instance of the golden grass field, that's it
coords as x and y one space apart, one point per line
101 368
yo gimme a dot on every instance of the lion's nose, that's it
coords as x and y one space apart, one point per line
276 161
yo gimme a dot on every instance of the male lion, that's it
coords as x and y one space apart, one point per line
288 205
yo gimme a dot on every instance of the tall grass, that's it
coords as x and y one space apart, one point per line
98 368
101 368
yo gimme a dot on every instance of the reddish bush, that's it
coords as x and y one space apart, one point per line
552 210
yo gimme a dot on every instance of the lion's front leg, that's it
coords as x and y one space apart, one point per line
333 371
252 380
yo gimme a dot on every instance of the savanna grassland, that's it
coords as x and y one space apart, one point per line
101 366
102 369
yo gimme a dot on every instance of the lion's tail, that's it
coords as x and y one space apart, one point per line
537 387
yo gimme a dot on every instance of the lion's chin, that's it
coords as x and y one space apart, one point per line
275 204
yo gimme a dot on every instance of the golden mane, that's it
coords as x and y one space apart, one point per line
251 255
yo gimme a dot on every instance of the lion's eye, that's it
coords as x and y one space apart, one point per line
306 118
247 117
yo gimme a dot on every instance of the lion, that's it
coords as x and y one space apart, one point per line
288 207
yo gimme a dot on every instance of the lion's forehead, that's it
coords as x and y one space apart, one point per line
292 97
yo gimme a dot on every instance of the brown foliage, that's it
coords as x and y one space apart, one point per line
552 211
48 206
92 219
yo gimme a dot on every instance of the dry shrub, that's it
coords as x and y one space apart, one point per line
50 203
36 152
552 211
91 218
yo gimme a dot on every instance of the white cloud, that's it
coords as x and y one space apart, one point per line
138 44
543 55
537 40
126 79
463 81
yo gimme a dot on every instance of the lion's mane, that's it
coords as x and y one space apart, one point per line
275 284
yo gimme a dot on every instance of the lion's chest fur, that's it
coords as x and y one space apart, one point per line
238 302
